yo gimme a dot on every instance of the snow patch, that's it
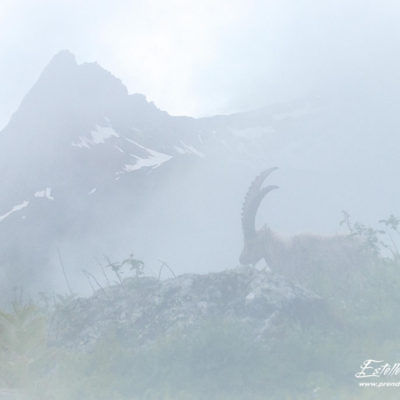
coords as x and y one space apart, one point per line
97 136
81 143
154 159
14 209
46 193
102 133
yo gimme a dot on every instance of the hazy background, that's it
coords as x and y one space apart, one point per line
90 173
326 73
201 58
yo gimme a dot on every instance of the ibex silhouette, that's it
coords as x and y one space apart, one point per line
299 255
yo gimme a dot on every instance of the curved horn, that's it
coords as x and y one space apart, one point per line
252 201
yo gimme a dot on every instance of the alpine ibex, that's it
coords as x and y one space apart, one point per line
299 256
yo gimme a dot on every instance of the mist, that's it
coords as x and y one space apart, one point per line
198 199
204 59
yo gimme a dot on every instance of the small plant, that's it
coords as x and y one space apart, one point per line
116 267
392 225
135 265
163 265
379 240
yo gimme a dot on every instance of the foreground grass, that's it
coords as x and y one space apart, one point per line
220 359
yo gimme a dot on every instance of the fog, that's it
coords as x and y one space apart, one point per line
203 58
148 246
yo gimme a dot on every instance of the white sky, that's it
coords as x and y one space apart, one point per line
209 56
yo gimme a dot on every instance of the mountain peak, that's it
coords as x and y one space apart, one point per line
66 89
64 56
62 62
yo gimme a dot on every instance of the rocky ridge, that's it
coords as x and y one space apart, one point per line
146 308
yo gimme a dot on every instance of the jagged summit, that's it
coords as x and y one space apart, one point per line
66 90
62 58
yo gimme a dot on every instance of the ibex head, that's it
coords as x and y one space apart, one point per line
254 240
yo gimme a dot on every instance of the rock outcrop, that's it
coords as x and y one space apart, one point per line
146 308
